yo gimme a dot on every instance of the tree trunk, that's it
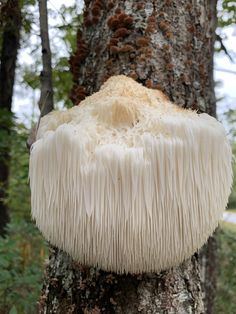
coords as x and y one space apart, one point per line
10 32
46 97
162 44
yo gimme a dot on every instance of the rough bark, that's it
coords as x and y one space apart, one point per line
208 272
46 97
162 44
10 23
167 45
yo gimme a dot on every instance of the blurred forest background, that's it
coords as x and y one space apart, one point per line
23 252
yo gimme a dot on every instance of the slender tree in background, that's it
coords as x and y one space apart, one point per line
46 98
163 45
10 23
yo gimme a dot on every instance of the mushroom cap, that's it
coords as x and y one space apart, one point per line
127 181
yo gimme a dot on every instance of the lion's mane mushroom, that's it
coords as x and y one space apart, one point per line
128 181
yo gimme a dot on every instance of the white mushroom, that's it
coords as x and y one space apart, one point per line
128 181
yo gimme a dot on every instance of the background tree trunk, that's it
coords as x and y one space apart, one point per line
46 97
10 23
162 44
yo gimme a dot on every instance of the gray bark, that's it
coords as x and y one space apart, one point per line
162 44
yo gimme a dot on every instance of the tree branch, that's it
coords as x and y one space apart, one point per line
225 70
222 47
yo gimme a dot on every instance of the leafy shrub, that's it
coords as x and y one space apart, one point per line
22 255
226 279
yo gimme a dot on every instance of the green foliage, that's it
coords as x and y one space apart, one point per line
23 251
6 124
62 82
22 255
232 198
63 35
226 285
18 198
226 13
71 22
31 78
6 118
66 33
230 117
26 15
